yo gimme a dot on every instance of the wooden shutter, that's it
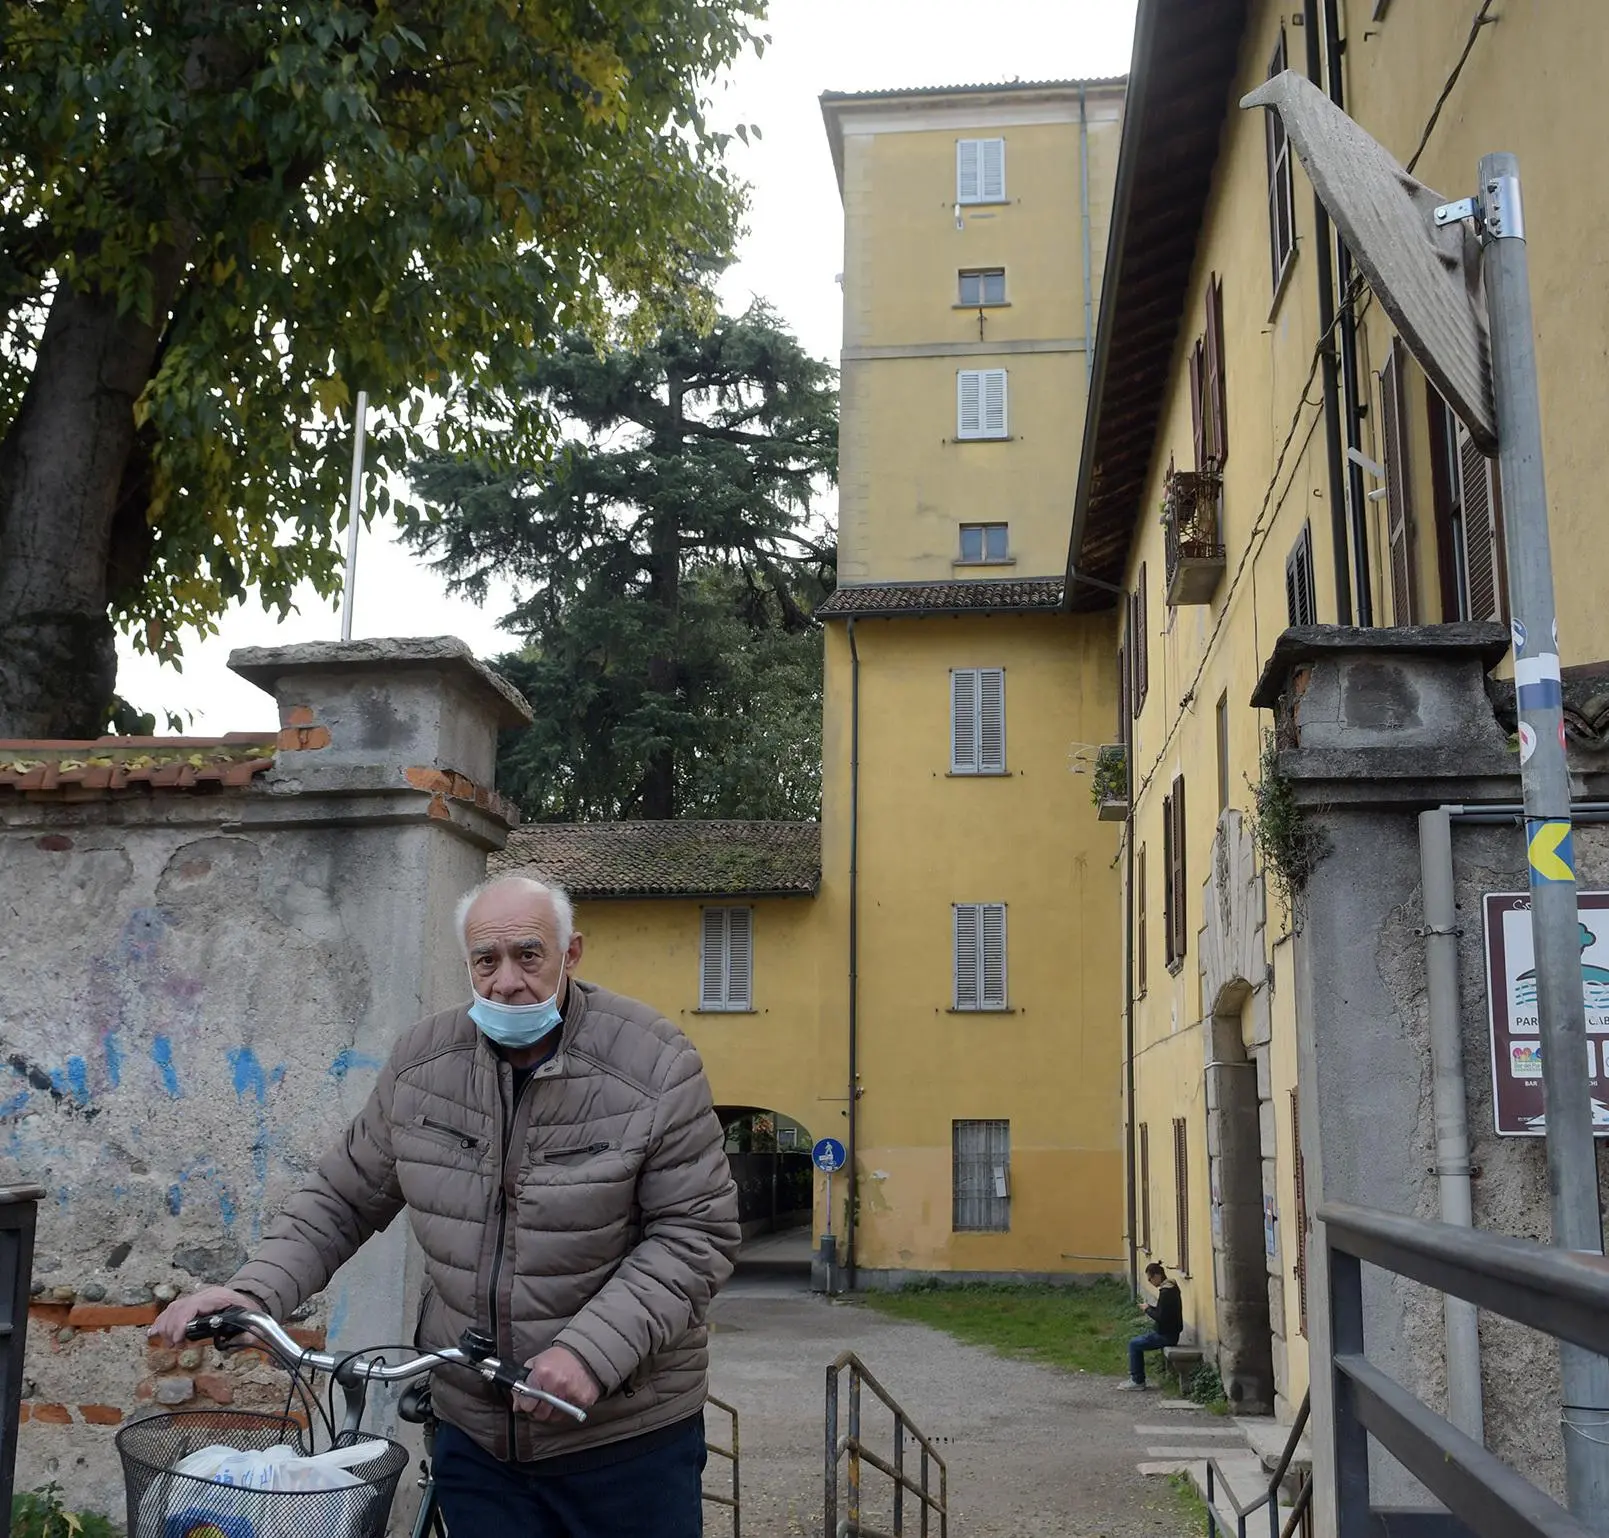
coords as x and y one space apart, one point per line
994 403
1181 1191
1167 879
1299 1171
1216 408
1145 1188
1123 687
967 168
1139 644
1178 922
992 994
1300 606
969 403
1483 559
963 721
991 720
1198 401
712 960
991 170
967 980
1141 934
739 958
1399 513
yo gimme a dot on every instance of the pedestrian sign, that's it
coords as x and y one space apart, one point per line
828 1155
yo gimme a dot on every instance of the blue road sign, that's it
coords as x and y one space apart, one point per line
828 1155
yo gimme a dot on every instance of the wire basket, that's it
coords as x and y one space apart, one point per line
164 1504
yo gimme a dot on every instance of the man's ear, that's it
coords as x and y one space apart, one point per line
572 952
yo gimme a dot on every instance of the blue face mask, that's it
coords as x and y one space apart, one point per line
515 1025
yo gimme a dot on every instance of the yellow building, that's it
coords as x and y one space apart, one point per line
1210 492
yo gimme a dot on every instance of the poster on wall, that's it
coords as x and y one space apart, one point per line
1511 1007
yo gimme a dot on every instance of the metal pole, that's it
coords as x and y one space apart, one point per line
1545 781
1461 1319
354 503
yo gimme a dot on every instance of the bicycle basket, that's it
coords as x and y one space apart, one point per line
165 1504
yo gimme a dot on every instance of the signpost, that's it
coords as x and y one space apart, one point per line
828 1155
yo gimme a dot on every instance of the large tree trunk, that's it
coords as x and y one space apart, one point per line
665 586
61 465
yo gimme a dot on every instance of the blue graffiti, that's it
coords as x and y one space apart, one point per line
175 1199
162 1056
227 1209
349 1058
338 1312
249 1076
78 1077
15 1104
114 1059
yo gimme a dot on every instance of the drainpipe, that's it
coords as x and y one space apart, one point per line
854 953
1451 1111
1356 499
1326 325
1083 210
1130 970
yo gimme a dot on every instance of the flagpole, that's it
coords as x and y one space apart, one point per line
353 505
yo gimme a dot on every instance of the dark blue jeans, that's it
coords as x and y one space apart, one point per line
655 1494
1150 1341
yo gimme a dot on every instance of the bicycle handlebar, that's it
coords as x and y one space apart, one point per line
229 1322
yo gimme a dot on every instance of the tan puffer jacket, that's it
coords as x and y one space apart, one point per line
607 1227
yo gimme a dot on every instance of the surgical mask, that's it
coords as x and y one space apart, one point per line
515 1025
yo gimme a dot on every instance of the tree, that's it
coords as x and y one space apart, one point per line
671 561
219 219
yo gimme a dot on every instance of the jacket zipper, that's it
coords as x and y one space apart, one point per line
497 1258
579 1152
456 1133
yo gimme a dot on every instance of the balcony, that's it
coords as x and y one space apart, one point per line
1110 791
1191 501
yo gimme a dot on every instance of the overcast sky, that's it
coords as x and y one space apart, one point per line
790 256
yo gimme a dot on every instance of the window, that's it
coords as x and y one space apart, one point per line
1299 1170
1145 1187
1175 909
983 285
983 542
1281 189
1123 687
1222 715
980 403
726 961
980 170
1301 605
1399 511
1181 1192
1208 413
977 721
1139 645
1141 930
1469 521
981 1176
980 955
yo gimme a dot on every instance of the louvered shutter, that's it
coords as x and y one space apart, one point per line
1167 879
994 403
1142 643
1140 927
712 961
967 168
991 720
1216 409
969 403
1198 402
1177 918
1299 1174
1181 1191
1482 568
1399 527
1123 692
1145 1187
1299 602
992 994
967 980
739 958
991 170
964 721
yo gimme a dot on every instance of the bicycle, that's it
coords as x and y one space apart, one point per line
151 1448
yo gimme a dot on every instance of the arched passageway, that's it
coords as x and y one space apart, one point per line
770 1157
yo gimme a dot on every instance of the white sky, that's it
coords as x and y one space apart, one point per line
790 256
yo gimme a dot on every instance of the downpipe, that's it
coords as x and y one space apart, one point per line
850 1224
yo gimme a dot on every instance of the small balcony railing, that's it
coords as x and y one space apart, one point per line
1191 506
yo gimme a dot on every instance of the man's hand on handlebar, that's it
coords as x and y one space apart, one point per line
209 1300
561 1372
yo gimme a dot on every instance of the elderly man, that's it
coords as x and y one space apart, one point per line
562 1167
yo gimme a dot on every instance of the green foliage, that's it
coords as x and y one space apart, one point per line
317 197
40 1514
1192 1508
667 564
1289 845
1110 781
1205 1387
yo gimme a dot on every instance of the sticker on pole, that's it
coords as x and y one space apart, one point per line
828 1155
1516 1030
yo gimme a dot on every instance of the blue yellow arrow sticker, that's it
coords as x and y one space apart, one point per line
1550 850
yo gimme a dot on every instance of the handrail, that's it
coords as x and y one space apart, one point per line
1270 1495
849 1446
734 1501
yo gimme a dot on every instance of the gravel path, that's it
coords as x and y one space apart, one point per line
1032 1451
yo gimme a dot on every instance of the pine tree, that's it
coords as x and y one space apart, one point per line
668 560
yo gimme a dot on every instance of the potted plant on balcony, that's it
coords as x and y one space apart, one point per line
1110 789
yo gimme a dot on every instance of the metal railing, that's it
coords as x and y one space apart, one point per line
18 1206
1191 530
1269 1499
853 1451
734 1501
1558 1292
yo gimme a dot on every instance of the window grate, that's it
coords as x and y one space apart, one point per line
981 1176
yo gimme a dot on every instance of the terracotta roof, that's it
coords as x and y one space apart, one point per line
895 92
668 859
988 596
80 770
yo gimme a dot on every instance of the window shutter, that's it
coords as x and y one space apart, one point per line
740 958
1181 1191
991 170
966 955
712 960
1167 879
1216 410
969 403
967 179
1142 643
1299 1172
1145 1187
1139 920
991 720
1300 608
1399 530
963 721
1123 690
1198 401
1178 918
993 992
1482 556
994 403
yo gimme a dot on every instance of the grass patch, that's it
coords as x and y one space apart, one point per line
1192 1509
1077 1328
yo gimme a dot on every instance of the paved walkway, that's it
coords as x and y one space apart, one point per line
1032 1452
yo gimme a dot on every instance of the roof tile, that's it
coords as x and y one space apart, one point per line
987 596
86 771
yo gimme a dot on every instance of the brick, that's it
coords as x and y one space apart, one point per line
422 778
53 843
161 1358
24 1413
216 1386
145 1388
100 1415
302 739
111 1316
438 807
312 1338
52 1415
300 715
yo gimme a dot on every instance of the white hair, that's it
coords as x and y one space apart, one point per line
563 908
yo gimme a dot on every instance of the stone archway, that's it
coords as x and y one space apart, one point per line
1248 1285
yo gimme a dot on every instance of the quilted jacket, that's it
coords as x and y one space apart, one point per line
598 1212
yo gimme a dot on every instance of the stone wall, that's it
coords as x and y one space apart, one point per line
198 983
